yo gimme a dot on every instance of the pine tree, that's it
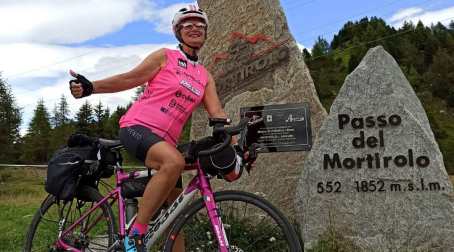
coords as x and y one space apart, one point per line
10 120
84 119
62 113
101 116
36 146
320 48
112 126
62 124
306 55
53 118
441 75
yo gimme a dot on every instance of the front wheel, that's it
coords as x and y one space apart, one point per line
251 224
94 233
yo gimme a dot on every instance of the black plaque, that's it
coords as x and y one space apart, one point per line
285 127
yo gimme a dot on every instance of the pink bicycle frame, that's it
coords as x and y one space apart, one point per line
200 182
114 195
203 184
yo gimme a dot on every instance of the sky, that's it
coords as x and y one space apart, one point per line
40 40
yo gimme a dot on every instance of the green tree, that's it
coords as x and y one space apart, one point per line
10 120
441 75
84 119
320 48
450 98
62 124
36 146
112 126
61 113
101 117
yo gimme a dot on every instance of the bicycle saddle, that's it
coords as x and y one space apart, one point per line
109 143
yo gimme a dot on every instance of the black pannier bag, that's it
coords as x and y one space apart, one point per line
223 164
108 160
66 168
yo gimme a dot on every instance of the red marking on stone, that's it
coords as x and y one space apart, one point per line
220 56
253 39
269 49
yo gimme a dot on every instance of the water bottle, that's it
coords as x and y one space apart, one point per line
130 208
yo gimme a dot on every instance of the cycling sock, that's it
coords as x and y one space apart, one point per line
138 229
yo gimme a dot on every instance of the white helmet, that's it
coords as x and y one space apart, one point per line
190 11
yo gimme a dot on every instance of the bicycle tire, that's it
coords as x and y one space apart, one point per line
241 233
47 217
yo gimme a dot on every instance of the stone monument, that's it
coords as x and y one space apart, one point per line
375 176
255 61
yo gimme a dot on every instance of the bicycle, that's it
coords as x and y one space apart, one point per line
221 221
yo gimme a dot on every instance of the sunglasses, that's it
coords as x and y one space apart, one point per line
188 26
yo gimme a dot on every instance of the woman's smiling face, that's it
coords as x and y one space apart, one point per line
193 31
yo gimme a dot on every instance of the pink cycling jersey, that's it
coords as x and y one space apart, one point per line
169 98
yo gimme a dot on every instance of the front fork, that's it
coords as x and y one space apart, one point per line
213 212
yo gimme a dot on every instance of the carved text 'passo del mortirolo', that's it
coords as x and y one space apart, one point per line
372 160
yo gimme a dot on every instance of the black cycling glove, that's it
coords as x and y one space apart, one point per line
87 86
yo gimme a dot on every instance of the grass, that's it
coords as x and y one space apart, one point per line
21 193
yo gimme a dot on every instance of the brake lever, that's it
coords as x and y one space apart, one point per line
252 150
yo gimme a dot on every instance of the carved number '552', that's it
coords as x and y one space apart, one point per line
329 187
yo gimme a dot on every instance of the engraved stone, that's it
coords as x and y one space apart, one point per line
375 175
255 61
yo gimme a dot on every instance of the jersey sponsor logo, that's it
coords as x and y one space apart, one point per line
174 104
188 98
189 87
187 75
183 63
172 113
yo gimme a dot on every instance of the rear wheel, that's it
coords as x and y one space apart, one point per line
250 222
94 233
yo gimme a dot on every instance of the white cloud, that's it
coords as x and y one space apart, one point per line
66 22
416 14
51 82
163 19
77 21
40 60
405 13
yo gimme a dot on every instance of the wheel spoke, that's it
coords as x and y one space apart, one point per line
250 223
94 233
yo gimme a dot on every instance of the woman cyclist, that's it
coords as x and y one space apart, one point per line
177 84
